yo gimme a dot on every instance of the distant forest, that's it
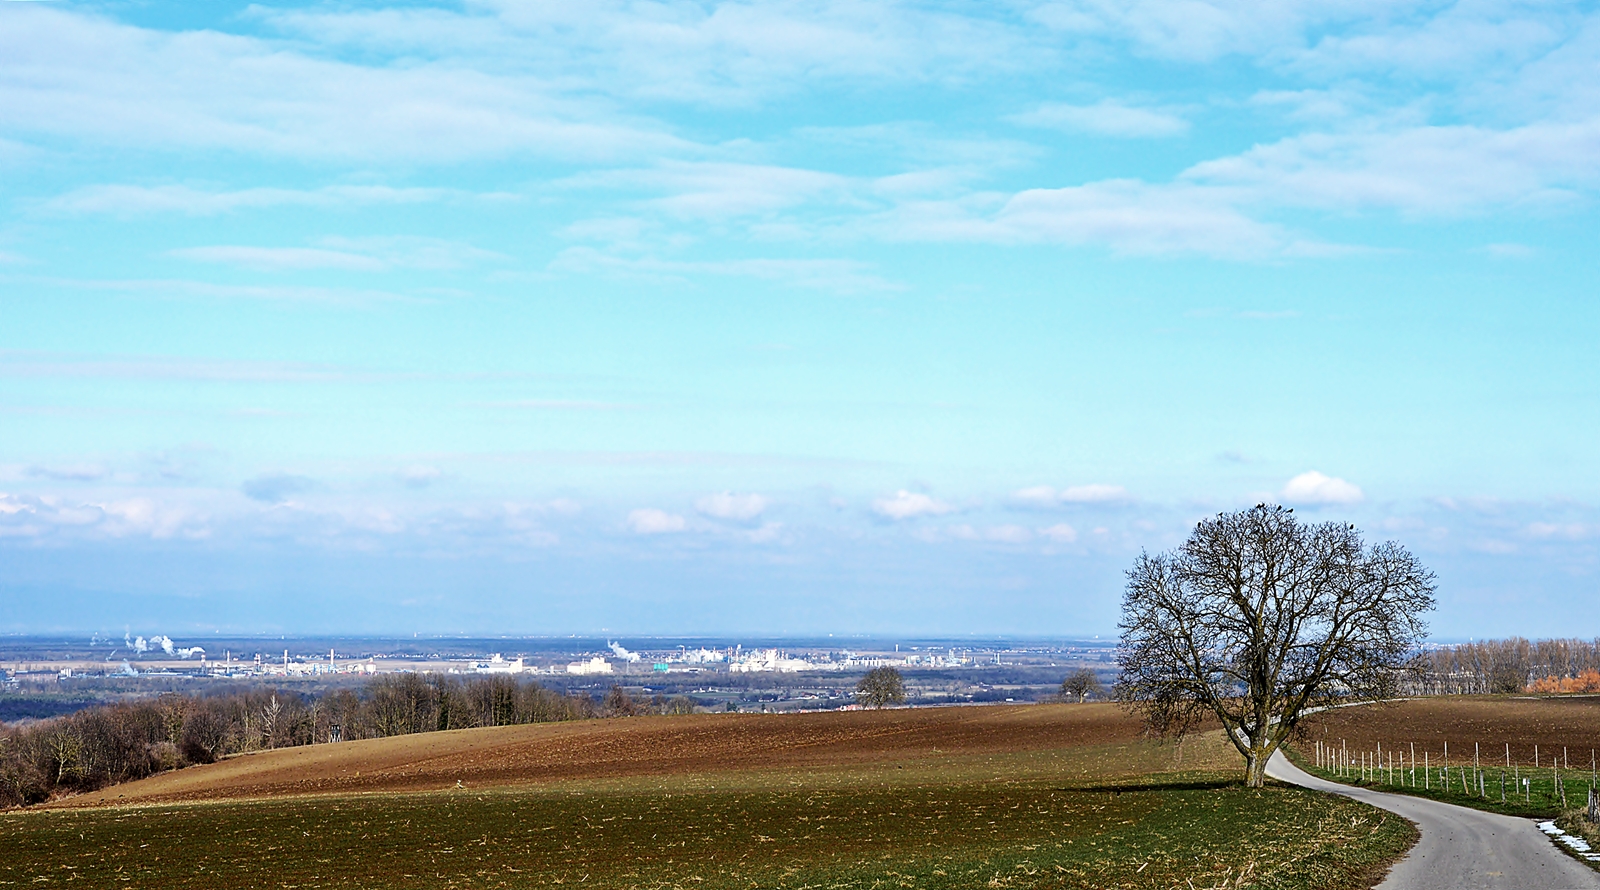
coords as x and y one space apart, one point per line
108 744
1512 665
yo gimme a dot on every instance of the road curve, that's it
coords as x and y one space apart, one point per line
1461 848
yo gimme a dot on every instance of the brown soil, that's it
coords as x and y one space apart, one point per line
636 746
1491 722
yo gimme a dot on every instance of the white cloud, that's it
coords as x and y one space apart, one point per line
717 191
39 516
1509 251
350 254
70 472
998 534
133 200
1060 533
842 276
909 504
1572 531
413 252
1046 496
279 259
1009 534
559 405
277 293
1105 118
1315 488
726 53
650 521
420 475
74 75
1128 216
1423 170
727 505
1037 496
1094 494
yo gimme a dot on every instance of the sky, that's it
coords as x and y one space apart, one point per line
784 318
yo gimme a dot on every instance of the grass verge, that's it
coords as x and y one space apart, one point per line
1502 789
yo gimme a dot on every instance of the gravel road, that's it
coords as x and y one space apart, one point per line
1461 848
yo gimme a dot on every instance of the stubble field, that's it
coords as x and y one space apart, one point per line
1035 796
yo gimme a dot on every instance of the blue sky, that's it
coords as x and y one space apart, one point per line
784 317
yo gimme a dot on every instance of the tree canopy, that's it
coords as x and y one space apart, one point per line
1258 617
1080 684
881 687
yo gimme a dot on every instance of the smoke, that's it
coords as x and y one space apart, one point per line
128 671
163 642
622 653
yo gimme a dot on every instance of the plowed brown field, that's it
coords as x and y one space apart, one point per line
1491 722
699 746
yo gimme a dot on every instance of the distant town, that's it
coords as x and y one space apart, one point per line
41 676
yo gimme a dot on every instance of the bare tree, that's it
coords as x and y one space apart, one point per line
1080 684
1258 617
269 721
881 687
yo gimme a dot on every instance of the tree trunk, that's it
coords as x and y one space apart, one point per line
1255 768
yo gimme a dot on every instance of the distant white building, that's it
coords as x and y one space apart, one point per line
498 665
595 665
764 660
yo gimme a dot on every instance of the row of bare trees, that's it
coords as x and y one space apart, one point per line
1510 665
107 744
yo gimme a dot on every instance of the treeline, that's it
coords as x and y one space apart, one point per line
1511 665
108 744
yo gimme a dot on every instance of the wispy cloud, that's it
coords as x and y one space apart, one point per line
1426 170
559 405
33 363
841 276
285 293
908 505
91 78
1047 496
369 254
651 521
277 259
731 506
1105 118
274 488
137 200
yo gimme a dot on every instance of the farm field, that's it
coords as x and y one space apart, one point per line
1548 740
1033 796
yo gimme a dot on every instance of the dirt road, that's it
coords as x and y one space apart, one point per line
1460 849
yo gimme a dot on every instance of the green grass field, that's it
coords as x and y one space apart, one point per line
1502 789
1067 819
